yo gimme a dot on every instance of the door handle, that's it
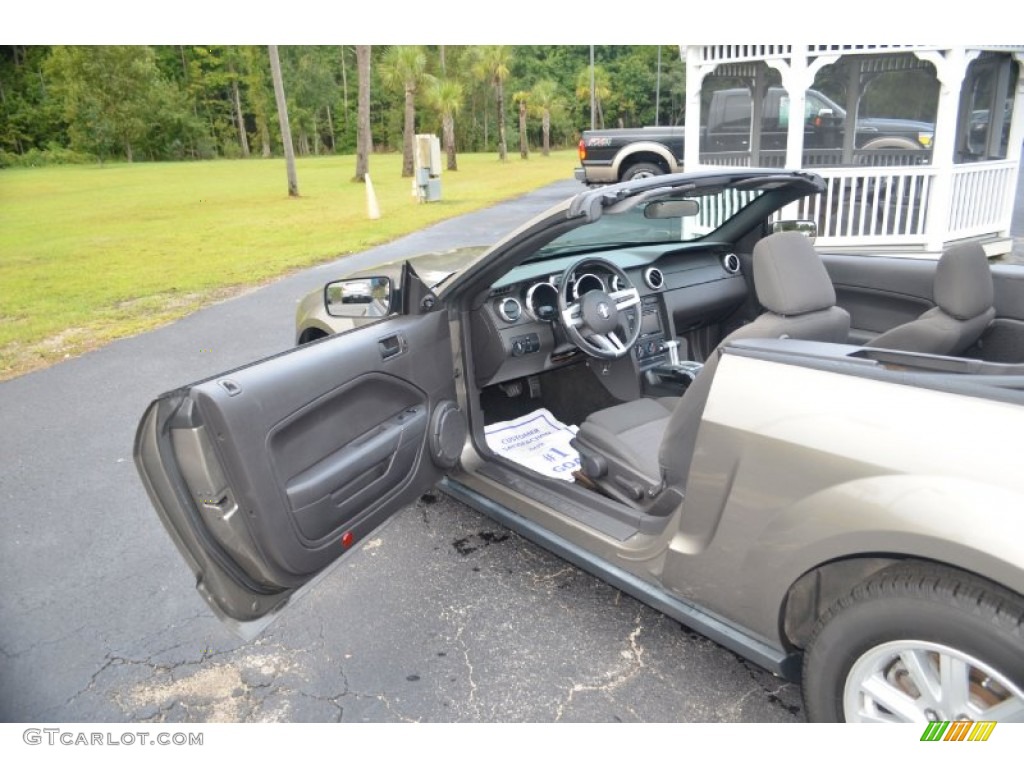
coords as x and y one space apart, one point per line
390 346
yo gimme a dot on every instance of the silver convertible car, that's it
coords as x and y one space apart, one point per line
813 460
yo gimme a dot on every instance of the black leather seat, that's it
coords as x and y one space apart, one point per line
634 449
963 293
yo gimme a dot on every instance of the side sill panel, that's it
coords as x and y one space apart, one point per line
786 665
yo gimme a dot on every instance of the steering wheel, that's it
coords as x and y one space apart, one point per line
604 325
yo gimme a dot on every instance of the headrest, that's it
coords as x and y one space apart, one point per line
789 277
963 281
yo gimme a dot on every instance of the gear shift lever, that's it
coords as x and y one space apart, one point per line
673 352
674 370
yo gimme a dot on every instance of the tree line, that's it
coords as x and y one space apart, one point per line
104 103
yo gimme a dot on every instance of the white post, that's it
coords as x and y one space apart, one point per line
950 68
696 71
797 77
796 83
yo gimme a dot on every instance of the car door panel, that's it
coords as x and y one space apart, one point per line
879 292
329 494
873 310
267 474
1004 340
883 292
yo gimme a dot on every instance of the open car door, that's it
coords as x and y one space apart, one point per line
267 474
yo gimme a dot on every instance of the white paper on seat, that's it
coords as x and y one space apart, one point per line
538 441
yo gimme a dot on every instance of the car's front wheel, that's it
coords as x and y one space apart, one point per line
917 644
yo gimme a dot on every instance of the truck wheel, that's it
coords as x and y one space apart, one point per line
892 143
642 171
918 643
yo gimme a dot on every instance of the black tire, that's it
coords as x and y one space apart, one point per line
928 613
642 171
310 335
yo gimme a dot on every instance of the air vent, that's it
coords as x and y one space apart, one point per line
731 263
654 279
510 310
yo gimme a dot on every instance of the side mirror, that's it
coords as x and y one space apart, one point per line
358 297
805 227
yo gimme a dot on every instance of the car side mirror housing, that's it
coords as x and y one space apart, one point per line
358 297
803 226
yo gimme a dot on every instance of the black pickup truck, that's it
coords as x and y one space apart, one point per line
622 154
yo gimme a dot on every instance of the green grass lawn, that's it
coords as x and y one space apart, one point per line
89 253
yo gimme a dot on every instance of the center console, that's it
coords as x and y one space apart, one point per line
650 349
661 369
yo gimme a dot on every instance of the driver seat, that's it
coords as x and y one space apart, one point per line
633 450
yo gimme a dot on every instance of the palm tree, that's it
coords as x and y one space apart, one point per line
364 137
403 68
602 88
545 99
446 98
493 66
522 97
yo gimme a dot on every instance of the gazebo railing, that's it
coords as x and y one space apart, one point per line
817 158
980 197
864 207
875 203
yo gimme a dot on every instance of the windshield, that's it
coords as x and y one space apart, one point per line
653 222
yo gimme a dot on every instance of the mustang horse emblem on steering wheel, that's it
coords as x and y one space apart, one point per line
602 310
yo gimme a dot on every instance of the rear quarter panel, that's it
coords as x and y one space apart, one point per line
796 467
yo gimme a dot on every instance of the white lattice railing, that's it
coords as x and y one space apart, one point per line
725 54
980 197
884 206
720 54
815 158
715 210
814 50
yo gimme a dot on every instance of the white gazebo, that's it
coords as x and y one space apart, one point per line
957 182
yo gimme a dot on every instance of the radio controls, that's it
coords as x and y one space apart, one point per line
650 346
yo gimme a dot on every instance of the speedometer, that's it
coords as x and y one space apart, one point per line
586 283
542 301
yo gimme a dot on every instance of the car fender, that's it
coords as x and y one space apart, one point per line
639 147
891 142
964 523
311 316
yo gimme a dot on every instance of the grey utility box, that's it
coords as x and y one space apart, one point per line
428 167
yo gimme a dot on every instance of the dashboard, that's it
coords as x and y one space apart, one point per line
515 327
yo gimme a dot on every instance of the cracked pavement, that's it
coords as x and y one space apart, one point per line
441 616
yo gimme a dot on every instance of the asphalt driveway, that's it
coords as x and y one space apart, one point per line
441 616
